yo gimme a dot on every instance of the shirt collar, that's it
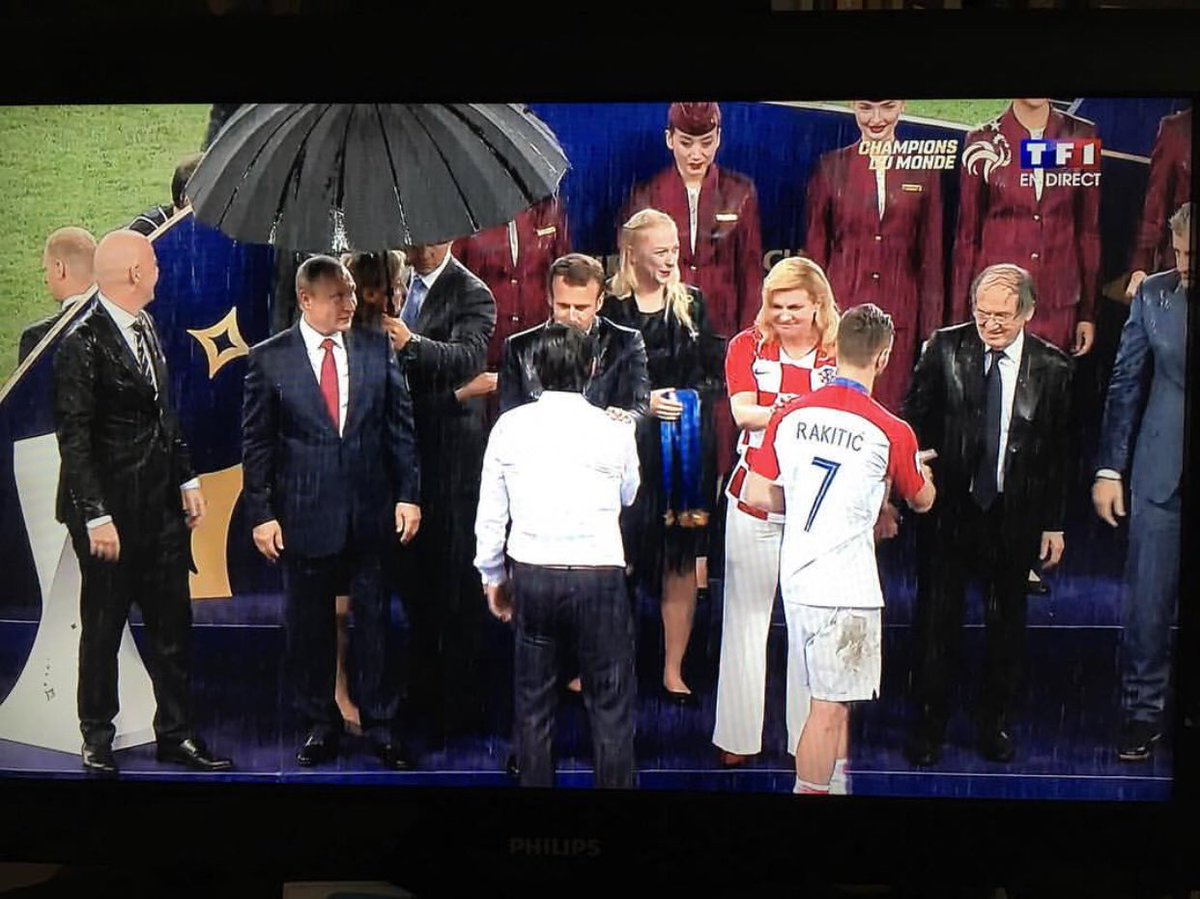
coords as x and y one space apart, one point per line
123 318
433 275
313 337
1013 351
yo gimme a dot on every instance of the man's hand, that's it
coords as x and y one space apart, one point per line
194 506
408 521
480 385
397 331
268 537
1085 336
1135 281
1052 549
104 543
1108 497
622 415
499 602
663 404
887 525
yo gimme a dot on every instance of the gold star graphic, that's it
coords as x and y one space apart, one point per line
227 331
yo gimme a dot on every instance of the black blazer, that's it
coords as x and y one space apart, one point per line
122 450
326 489
945 406
621 379
455 324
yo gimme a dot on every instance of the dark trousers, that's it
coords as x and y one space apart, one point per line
1148 600
312 588
586 610
947 561
153 573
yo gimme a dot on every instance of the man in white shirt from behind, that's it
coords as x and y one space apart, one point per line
560 470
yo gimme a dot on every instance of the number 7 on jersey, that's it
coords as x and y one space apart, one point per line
831 469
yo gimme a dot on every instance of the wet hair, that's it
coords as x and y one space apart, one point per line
183 172
562 358
1181 221
622 284
577 270
863 333
1015 278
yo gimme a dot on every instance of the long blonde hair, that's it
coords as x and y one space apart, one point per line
623 283
801 272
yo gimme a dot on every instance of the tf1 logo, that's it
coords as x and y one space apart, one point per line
1082 153
1061 163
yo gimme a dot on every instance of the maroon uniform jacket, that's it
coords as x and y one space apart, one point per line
520 290
1169 187
727 263
1057 239
895 262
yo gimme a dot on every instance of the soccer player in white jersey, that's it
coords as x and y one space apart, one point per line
826 462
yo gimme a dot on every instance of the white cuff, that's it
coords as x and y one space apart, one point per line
494 577
99 522
1108 474
193 484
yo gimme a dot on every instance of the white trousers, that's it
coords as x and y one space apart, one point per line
751 580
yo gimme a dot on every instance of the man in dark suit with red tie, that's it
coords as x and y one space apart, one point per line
1051 230
331 480
877 232
720 237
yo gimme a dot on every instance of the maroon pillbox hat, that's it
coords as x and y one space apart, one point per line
694 118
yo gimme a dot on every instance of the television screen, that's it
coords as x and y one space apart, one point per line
754 447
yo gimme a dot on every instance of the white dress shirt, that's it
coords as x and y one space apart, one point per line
880 183
125 321
693 194
1010 365
316 357
512 243
432 276
561 469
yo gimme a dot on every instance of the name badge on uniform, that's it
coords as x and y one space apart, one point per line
912 188
547 231
727 217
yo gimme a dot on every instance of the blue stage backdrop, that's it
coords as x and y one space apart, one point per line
209 283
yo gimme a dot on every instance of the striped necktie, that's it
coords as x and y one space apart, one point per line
141 329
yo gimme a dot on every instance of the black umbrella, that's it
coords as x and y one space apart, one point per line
334 176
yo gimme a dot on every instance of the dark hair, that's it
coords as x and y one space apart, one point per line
183 172
862 333
562 358
577 270
315 268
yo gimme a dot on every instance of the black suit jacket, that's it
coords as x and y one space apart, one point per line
945 406
621 379
122 450
456 322
326 489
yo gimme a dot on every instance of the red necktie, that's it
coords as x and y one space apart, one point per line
329 382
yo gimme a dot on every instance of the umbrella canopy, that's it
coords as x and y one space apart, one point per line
330 177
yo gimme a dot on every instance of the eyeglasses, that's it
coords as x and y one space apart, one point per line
1000 318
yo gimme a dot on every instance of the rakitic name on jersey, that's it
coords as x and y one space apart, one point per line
1062 179
830 434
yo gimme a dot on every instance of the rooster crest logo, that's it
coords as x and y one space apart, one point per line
987 155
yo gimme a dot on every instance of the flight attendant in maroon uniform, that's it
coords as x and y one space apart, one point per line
720 240
1169 187
877 233
513 260
1052 231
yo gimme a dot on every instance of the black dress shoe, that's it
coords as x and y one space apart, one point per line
317 750
923 750
193 754
1137 741
99 760
394 756
1037 588
681 699
996 745
512 767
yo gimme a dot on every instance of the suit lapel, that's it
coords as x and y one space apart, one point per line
121 351
440 286
968 369
308 381
357 364
1025 400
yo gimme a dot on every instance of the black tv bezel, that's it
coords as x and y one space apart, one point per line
461 837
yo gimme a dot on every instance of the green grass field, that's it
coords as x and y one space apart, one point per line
99 166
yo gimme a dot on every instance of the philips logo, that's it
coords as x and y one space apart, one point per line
553 847
1060 154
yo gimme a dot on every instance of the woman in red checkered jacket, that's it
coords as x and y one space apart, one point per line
787 352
